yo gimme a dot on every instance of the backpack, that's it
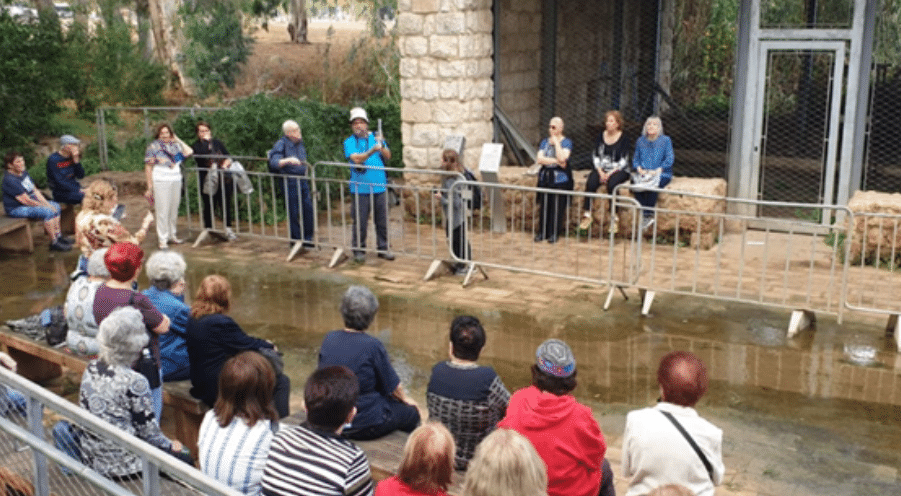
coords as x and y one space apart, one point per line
476 202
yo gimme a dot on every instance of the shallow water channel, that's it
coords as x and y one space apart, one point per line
818 414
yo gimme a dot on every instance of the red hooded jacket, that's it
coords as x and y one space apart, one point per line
566 437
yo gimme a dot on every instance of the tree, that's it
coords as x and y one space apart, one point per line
169 41
297 27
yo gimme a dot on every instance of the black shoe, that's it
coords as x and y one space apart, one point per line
387 255
552 238
539 237
58 245
309 244
67 240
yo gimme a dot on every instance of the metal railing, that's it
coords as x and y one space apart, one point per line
728 249
35 450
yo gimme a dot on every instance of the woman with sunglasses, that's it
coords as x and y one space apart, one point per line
553 156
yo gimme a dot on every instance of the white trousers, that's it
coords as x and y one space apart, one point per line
166 198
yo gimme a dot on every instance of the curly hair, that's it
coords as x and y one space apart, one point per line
97 194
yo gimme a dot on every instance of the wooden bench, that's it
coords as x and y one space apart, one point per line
38 362
67 218
15 235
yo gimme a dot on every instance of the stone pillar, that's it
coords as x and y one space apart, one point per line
445 77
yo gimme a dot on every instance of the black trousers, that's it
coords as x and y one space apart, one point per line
360 208
594 182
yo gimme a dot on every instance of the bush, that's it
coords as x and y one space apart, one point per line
32 61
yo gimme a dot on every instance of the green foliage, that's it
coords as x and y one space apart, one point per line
887 50
108 68
704 52
216 45
32 62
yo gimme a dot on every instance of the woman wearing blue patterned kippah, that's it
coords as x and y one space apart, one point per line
653 157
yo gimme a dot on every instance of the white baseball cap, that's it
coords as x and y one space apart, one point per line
358 113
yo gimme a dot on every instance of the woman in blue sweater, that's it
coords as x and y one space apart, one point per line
653 157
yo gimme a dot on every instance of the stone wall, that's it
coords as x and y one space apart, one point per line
445 77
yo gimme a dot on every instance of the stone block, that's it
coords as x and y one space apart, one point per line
449 113
450 23
424 135
411 89
409 67
480 21
430 90
424 6
876 230
451 69
404 5
475 45
415 111
449 90
409 24
415 46
428 25
480 88
406 132
428 68
444 46
415 157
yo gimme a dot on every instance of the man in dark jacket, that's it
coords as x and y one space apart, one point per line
289 157
64 170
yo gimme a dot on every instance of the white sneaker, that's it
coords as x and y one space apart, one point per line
230 235
646 223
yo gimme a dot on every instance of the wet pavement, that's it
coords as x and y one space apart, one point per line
799 416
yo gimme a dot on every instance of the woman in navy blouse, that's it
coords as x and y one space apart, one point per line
653 157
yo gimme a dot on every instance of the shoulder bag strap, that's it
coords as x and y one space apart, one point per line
692 442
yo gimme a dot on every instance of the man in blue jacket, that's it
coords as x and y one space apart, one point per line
368 184
64 170
289 157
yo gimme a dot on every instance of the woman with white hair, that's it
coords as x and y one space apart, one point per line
111 390
166 272
505 463
653 161
79 309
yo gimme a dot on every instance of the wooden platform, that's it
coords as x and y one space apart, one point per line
15 235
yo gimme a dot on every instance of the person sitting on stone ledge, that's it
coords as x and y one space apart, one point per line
563 431
64 170
23 200
383 406
427 468
79 309
166 272
468 398
313 458
656 446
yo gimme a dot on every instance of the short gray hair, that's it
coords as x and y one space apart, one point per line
289 125
358 308
653 118
165 268
121 336
96 265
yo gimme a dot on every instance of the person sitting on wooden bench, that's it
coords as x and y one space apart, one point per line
64 170
21 199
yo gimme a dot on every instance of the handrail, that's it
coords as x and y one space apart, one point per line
156 457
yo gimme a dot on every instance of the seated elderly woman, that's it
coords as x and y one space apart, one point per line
166 272
505 463
79 311
214 337
235 435
120 396
427 468
98 223
123 260
383 406
22 199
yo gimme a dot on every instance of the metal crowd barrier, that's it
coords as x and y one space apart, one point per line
33 450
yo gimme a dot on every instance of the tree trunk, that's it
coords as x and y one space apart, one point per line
145 34
168 41
297 27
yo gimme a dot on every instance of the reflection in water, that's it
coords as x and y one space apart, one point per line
826 378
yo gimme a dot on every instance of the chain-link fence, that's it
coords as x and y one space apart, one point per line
677 59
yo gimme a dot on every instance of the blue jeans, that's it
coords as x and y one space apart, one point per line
28 212
295 203
12 401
